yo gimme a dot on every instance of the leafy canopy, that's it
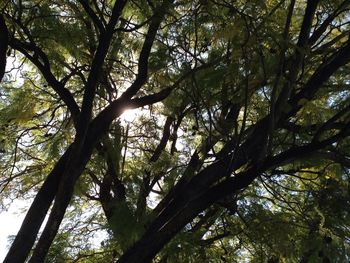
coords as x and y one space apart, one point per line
238 148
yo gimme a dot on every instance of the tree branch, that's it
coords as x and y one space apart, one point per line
155 239
307 22
92 15
96 66
142 73
146 185
322 74
102 121
322 28
44 68
150 99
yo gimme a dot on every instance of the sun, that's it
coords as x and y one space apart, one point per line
130 115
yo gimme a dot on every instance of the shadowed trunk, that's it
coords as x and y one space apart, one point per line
35 216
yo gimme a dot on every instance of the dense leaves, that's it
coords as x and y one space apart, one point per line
177 131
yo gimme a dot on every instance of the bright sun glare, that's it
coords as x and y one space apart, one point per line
130 115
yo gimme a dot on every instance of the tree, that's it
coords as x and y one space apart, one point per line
241 140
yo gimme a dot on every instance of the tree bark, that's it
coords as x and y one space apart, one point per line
74 169
164 229
26 236
152 242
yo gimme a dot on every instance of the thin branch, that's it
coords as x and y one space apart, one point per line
319 31
101 123
44 68
92 15
322 74
142 73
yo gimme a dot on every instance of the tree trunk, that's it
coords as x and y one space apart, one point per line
26 236
78 158
156 238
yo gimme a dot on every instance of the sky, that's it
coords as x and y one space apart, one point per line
10 222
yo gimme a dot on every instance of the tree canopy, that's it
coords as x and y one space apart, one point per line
238 145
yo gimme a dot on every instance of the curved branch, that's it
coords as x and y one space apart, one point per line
101 123
141 77
44 68
322 74
150 99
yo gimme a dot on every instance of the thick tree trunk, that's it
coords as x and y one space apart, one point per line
26 236
189 199
188 203
155 239
80 154
75 167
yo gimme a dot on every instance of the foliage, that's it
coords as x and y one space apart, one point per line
238 150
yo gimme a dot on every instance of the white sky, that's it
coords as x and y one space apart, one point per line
10 222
